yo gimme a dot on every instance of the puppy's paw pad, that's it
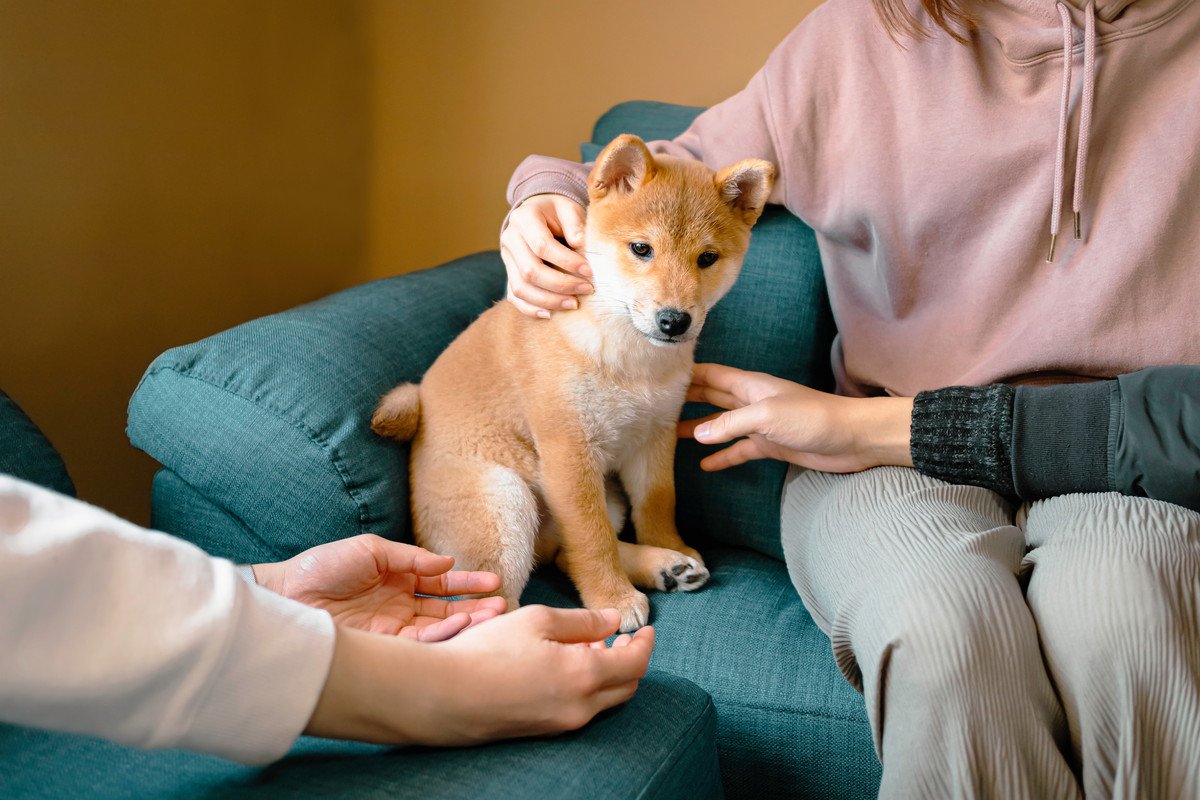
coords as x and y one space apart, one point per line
684 576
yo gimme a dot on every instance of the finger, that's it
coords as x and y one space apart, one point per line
618 665
541 299
534 271
732 425
448 628
437 607
452 583
714 397
406 558
497 604
528 298
527 308
579 624
483 615
427 630
514 278
571 218
622 640
686 429
539 238
527 287
427 564
614 695
737 453
718 376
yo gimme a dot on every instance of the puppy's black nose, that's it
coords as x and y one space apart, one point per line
672 321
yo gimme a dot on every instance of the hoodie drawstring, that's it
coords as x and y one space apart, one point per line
1085 118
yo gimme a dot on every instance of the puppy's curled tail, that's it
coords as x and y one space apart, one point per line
399 413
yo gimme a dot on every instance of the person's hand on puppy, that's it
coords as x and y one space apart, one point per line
371 583
533 672
789 422
545 275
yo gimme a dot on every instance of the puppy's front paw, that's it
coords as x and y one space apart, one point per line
635 611
681 574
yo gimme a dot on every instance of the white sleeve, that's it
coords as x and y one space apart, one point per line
136 636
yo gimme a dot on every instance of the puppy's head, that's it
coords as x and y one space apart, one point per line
666 236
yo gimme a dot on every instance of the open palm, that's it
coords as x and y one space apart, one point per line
378 585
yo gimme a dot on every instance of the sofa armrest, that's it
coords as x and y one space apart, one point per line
269 420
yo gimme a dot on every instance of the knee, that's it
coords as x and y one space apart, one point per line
1113 578
1101 620
952 635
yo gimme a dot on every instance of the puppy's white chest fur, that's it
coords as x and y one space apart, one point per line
617 419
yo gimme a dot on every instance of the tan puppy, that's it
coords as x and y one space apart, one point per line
523 428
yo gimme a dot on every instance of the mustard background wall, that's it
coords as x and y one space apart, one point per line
170 169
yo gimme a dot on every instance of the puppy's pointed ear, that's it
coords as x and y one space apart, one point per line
745 187
621 168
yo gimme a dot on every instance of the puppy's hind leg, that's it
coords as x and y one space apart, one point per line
484 515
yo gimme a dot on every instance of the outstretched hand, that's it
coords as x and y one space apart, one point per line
375 584
789 422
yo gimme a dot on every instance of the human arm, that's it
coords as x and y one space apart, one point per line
378 585
111 630
1138 434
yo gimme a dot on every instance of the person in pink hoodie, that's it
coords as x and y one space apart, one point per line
1005 194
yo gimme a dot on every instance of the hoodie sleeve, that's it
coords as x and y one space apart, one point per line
739 127
1138 434
131 635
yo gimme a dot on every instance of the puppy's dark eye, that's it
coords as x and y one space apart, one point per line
706 259
641 250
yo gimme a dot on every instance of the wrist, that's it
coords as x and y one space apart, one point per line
963 435
883 429
379 689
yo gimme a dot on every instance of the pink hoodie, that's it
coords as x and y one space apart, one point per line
933 174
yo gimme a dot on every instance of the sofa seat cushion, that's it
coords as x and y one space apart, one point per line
659 746
789 725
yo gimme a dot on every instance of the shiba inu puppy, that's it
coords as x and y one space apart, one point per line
528 435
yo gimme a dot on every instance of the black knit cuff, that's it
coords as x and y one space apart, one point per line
963 434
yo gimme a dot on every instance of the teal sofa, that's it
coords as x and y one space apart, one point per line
262 434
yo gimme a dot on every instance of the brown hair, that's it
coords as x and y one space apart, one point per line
949 15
